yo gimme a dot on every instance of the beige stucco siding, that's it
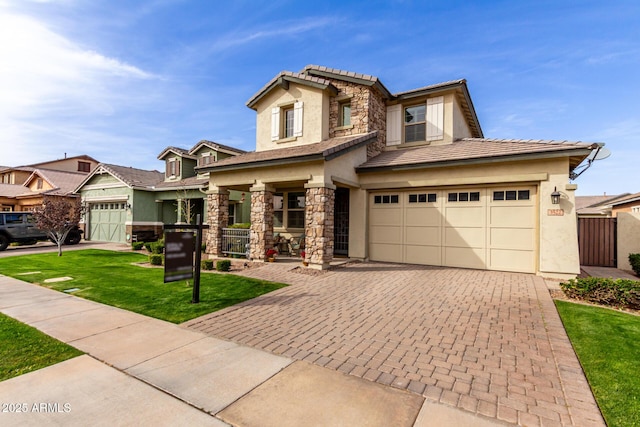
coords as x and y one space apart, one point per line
553 222
628 238
315 122
460 126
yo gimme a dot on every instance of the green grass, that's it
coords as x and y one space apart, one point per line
24 349
607 343
110 278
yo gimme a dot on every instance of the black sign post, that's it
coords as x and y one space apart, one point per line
179 249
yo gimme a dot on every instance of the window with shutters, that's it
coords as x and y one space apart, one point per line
286 121
173 168
422 122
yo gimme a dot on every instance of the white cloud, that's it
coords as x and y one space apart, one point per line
48 81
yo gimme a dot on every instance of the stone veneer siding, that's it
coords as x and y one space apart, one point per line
261 224
319 217
368 113
218 218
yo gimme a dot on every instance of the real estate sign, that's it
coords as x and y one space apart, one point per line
178 259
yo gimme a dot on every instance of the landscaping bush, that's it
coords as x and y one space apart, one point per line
136 246
244 225
634 260
157 247
223 265
206 264
156 259
621 293
147 246
203 248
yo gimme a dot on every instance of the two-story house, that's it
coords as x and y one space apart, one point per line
125 203
22 188
405 177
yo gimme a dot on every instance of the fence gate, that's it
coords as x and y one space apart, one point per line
597 241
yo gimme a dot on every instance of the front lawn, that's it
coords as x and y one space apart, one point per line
608 346
24 349
110 278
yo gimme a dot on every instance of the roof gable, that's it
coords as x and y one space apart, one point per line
216 147
180 152
283 79
131 177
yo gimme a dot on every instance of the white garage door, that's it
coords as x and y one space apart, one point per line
107 222
487 228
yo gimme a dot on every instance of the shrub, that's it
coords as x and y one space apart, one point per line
157 247
203 248
244 225
147 246
136 246
206 264
621 293
223 265
634 260
156 259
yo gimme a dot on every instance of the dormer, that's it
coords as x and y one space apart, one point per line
179 164
209 152
433 115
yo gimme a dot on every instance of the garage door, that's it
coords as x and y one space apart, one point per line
107 222
484 228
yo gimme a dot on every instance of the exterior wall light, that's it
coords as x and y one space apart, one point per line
127 205
555 196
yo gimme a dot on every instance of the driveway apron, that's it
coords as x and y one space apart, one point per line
490 343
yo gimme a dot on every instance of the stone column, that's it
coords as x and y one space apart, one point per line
319 217
217 218
261 222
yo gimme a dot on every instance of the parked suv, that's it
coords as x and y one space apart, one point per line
21 227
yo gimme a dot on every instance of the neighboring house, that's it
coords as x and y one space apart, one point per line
40 183
628 203
405 177
125 203
22 187
599 206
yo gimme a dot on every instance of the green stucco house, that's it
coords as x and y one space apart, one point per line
125 204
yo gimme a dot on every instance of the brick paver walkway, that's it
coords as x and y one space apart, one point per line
487 342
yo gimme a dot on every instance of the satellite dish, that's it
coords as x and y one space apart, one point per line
600 154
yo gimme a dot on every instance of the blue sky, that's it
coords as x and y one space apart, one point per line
121 80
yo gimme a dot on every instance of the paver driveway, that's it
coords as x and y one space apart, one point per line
487 342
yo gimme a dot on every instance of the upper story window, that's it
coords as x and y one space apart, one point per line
84 167
173 168
286 121
344 113
39 184
422 122
206 159
414 123
287 126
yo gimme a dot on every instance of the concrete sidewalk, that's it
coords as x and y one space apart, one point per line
140 370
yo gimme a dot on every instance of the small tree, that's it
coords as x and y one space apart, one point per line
57 216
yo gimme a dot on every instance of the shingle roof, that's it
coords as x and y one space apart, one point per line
583 202
215 146
289 76
320 150
626 199
464 150
191 182
64 182
133 177
13 190
82 157
179 151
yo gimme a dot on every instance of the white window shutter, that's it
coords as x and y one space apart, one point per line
394 124
435 118
275 123
297 119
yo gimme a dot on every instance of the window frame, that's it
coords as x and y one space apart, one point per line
84 166
284 212
341 113
285 130
422 123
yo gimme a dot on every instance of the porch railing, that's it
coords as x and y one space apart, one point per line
235 241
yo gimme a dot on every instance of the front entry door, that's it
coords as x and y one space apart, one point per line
341 222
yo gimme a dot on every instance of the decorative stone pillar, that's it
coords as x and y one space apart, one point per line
261 222
319 222
217 218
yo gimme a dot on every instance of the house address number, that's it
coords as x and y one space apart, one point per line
555 212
